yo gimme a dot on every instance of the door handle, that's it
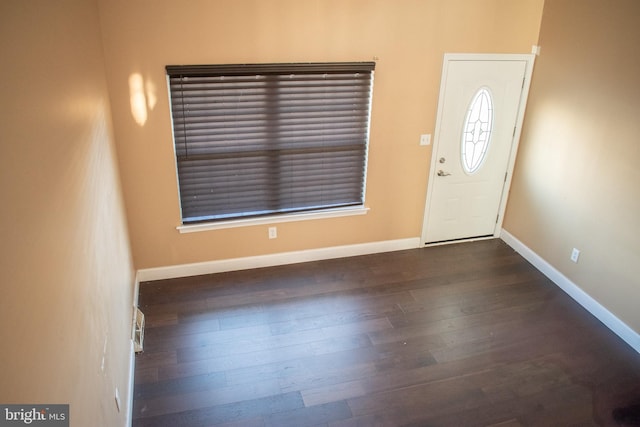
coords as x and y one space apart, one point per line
443 173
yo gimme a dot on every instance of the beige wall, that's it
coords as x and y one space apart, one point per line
577 180
65 259
66 271
408 36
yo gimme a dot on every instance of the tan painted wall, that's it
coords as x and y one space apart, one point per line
66 271
577 180
409 37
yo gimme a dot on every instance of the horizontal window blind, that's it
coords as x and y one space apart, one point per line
254 140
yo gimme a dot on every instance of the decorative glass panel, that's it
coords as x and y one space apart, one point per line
476 133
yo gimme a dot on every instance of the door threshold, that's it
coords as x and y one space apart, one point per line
463 240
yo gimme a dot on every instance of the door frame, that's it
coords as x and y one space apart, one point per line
529 60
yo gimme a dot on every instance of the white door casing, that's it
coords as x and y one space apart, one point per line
464 205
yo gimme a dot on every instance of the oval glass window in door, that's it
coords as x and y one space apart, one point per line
476 133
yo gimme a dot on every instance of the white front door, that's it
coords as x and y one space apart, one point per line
480 111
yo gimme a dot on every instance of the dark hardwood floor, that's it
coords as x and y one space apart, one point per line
459 335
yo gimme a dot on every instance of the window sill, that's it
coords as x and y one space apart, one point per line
218 225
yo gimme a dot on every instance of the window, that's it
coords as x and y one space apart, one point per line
255 140
476 133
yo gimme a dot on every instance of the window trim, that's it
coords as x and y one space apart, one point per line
275 68
273 219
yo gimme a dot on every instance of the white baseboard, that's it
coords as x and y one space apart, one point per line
132 354
620 328
136 291
210 267
132 372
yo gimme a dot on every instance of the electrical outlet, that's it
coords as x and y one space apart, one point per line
273 232
575 254
425 139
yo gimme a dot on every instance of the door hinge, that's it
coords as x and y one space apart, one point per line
505 176
497 218
523 80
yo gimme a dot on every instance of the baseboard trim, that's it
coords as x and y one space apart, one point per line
616 325
136 291
219 266
132 373
132 354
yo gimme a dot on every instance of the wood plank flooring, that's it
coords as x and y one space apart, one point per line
460 335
